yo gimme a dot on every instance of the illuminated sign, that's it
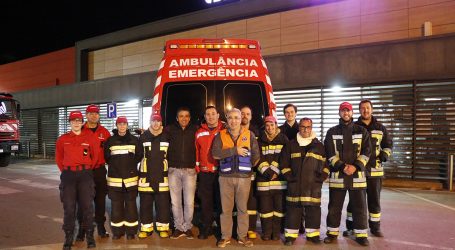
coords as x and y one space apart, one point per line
218 1
214 67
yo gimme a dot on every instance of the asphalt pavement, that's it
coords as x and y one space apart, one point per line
31 218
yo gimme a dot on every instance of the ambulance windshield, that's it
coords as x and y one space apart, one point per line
223 95
7 109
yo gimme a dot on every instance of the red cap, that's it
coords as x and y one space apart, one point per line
156 117
121 119
345 105
76 115
270 119
92 108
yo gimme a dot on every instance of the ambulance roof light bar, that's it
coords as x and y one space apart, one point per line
212 46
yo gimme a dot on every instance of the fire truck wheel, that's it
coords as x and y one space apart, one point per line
4 159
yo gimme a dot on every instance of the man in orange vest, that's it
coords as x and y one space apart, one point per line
238 151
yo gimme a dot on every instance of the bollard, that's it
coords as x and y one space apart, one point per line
450 172
28 149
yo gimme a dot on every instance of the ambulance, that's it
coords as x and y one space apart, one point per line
224 73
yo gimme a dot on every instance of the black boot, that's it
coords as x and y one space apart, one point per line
90 239
68 240
80 234
102 231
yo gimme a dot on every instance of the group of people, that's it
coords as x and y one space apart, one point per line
236 169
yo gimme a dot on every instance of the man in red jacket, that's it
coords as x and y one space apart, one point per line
207 168
93 128
76 153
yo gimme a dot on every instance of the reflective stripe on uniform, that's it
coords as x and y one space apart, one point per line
388 151
296 155
312 232
333 231
375 217
302 199
349 216
147 227
359 233
122 149
334 159
118 224
278 214
315 156
250 212
285 170
267 215
162 226
293 233
363 159
131 224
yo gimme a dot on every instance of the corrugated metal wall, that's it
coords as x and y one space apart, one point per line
40 128
419 116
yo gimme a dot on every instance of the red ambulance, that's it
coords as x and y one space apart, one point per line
224 73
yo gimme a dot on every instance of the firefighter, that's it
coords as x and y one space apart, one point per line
382 149
304 166
100 133
76 154
153 181
348 149
270 183
290 128
247 115
122 152
207 168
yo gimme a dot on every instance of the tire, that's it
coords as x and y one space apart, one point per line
4 159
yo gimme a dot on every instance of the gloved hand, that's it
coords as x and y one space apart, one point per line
383 156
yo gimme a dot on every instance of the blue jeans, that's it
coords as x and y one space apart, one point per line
182 179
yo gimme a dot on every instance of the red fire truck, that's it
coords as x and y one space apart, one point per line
9 128
225 73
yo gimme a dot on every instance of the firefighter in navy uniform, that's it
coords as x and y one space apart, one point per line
304 166
76 153
100 133
270 183
348 148
382 149
123 152
252 205
153 181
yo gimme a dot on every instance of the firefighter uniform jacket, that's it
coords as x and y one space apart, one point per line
76 151
347 144
101 134
290 132
271 149
204 139
153 173
381 147
122 154
305 168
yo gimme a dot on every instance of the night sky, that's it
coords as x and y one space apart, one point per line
31 28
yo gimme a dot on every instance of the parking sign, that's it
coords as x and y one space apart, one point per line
112 110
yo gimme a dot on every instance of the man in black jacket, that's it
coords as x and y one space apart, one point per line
290 127
348 148
382 149
182 172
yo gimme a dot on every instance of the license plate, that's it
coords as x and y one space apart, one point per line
14 147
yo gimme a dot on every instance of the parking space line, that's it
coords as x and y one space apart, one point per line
418 244
424 199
